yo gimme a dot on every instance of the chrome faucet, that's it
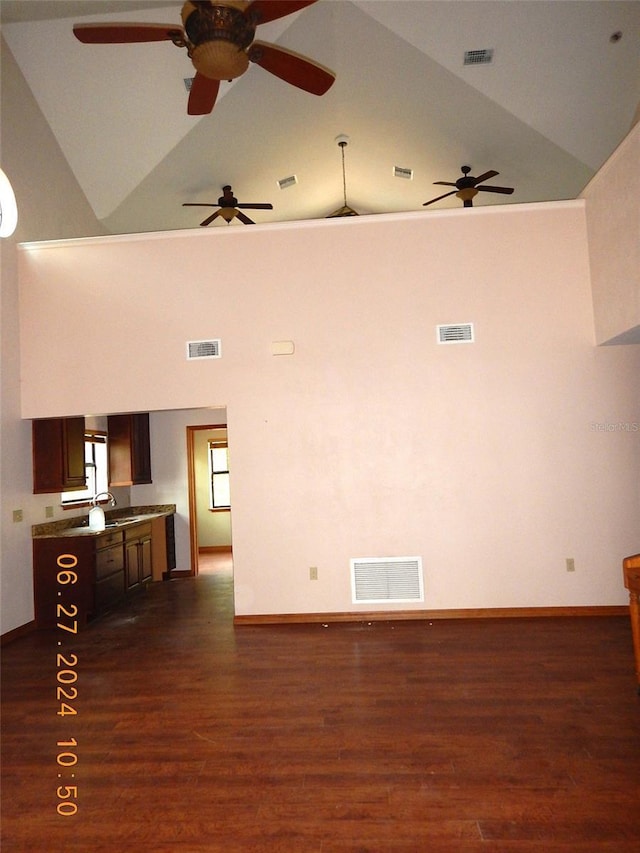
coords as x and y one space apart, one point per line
96 513
112 500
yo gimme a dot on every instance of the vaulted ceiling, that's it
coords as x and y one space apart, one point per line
560 94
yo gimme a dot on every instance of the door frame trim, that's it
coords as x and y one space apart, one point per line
191 484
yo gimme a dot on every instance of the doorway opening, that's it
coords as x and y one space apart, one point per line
209 498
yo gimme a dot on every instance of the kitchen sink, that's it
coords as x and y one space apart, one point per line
118 522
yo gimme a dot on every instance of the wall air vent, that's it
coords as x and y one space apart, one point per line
478 57
285 183
379 580
188 83
197 350
455 333
400 172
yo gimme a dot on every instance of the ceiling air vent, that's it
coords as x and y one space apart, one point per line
455 333
377 580
400 172
285 183
203 349
478 57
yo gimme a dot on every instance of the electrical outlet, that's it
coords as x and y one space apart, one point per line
571 564
17 515
313 573
48 512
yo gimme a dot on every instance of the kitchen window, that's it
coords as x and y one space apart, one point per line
219 491
97 471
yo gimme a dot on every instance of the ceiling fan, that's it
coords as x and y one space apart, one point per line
229 208
219 38
467 187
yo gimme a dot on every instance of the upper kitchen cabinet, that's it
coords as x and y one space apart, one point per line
129 449
58 455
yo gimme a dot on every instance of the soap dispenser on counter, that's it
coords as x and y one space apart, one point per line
97 520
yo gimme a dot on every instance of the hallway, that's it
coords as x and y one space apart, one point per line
215 562
196 736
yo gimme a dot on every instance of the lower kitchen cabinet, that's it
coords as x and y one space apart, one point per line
139 568
109 571
77 578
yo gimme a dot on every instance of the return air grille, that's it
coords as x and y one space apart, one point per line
478 57
203 349
377 580
455 333
401 172
285 183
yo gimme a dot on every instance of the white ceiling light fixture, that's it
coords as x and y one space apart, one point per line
345 210
8 207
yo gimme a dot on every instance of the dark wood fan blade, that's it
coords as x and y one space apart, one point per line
202 96
255 206
125 33
263 11
486 176
504 190
197 204
244 218
445 183
292 68
210 219
439 197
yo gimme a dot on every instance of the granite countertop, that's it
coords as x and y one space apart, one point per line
116 519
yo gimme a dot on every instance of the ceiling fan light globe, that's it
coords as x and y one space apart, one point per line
227 213
8 207
467 194
219 60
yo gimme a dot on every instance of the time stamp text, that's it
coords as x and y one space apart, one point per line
66 689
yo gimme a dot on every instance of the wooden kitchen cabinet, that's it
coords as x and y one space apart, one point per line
139 566
98 564
129 449
631 570
58 455
108 567
109 571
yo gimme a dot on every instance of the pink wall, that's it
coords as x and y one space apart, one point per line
494 461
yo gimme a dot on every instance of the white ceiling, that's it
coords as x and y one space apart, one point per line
556 101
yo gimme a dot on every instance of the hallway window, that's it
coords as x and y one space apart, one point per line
220 494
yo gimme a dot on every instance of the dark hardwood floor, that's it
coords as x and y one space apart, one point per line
191 735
